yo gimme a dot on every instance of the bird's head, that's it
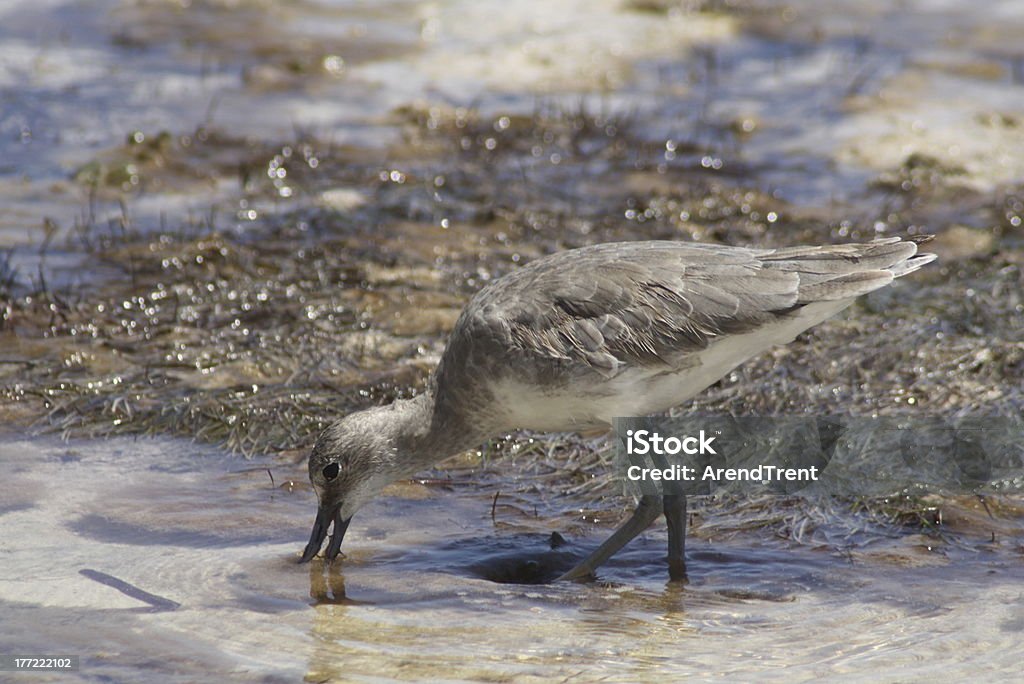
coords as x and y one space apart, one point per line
352 461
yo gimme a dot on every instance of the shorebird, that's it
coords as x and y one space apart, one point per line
575 339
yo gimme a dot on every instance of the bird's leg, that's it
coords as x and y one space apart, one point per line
673 501
645 513
675 517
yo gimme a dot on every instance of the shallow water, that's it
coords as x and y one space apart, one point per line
177 560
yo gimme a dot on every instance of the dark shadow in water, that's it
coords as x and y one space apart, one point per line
157 604
518 559
734 574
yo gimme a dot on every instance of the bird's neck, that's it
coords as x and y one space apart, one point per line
427 431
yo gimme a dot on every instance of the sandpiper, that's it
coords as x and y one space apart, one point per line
573 340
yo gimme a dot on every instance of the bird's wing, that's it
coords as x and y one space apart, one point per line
651 303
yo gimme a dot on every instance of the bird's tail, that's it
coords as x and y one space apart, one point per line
834 272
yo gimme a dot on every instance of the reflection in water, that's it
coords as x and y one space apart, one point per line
327 584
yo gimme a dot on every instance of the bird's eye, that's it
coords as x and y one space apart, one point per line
331 471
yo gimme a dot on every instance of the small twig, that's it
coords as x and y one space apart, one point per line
984 502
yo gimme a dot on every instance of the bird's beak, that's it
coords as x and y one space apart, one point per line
325 515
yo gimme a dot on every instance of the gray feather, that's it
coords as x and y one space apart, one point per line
617 305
